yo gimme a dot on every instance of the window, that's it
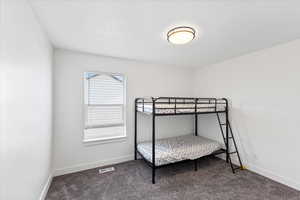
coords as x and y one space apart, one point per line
104 106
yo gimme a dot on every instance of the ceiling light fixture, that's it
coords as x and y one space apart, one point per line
181 35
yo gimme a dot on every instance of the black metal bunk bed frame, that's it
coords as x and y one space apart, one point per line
192 101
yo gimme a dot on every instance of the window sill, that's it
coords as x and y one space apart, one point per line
104 140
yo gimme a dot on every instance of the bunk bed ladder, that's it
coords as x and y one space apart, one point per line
230 137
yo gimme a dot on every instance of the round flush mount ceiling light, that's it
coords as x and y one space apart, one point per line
181 35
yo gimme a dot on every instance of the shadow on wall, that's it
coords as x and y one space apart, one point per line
209 127
241 132
167 126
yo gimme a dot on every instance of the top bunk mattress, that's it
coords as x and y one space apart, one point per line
171 150
180 108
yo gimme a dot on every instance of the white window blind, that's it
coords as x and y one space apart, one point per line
104 106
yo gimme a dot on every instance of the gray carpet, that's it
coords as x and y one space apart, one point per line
132 180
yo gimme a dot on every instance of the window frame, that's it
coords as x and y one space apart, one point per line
85 111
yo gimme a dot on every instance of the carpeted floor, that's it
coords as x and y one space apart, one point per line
132 181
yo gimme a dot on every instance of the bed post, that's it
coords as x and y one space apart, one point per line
153 141
196 131
196 118
227 133
135 129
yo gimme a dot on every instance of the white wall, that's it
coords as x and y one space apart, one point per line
70 154
263 88
26 105
1 101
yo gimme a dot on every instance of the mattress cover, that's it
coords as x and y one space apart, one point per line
180 108
170 150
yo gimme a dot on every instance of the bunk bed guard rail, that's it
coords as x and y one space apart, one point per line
180 105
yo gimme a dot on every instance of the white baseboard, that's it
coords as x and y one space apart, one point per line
273 176
46 188
266 173
85 166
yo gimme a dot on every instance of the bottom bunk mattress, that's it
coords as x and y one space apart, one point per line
175 149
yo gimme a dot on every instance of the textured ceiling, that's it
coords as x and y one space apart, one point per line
136 29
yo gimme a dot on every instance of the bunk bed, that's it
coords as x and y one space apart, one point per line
163 152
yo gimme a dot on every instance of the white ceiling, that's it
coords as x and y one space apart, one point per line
136 29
